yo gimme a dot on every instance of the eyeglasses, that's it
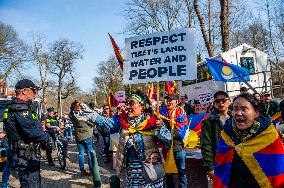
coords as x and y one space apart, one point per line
218 101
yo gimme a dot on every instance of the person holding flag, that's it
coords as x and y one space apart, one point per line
175 116
211 130
137 152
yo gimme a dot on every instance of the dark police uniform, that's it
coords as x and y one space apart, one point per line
53 122
24 134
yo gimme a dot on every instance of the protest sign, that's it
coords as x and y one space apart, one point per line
206 98
120 96
160 56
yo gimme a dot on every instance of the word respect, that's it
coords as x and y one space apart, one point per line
157 40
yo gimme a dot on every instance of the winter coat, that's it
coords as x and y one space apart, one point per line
209 137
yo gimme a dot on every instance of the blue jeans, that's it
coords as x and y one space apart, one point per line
85 145
106 138
8 165
68 132
180 162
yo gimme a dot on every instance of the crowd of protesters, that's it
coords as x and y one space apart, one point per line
240 146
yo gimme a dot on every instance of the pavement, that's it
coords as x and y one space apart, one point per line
69 178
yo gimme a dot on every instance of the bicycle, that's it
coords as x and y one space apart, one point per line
61 147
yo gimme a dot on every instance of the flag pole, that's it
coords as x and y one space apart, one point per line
158 98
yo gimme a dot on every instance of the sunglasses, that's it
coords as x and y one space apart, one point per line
218 101
131 103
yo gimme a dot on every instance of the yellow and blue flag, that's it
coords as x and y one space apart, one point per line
227 72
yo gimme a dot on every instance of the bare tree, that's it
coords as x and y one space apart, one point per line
63 56
254 34
224 18
205 36
41 58
13 51
272 10
109 77
147 16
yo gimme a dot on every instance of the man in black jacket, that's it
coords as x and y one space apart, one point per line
51 126
211 129
24 134
268 107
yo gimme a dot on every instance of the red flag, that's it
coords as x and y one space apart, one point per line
116 49
170 87
112 102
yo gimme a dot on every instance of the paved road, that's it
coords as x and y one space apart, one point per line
70 177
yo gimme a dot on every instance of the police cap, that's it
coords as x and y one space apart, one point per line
26 83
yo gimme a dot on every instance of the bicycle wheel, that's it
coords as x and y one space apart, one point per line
61 156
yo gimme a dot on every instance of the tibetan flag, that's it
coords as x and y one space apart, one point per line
226 72
195 121
180 122
276 118
151 92
263 154
117 52
154 93
112 102
170 87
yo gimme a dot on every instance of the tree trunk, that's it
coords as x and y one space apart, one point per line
209 22
59 97
224 24
203 30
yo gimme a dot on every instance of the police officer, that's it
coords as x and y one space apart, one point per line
52 124
24 133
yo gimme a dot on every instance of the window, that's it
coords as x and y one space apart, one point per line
248 63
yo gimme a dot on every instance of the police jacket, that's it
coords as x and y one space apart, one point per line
53 122
21 123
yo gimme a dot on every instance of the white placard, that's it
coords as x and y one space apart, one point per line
206 98
160 56
120 96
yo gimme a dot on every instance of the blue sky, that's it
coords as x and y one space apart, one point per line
84 21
